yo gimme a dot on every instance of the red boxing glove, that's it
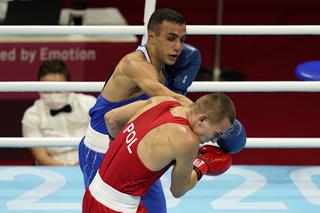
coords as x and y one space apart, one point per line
211 161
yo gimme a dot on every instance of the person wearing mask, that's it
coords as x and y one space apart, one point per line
56 114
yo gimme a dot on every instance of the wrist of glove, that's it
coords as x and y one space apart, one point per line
212 161
200 167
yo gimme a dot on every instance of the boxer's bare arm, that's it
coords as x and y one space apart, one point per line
134 76
115 119
185 146
120 87
118 117
147 78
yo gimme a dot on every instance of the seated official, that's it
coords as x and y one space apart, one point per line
57 114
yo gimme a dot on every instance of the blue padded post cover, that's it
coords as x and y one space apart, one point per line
308 71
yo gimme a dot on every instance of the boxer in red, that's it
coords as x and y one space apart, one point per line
152 136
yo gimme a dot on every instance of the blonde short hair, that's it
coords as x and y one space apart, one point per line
217 105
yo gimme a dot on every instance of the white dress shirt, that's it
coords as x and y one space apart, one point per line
38 122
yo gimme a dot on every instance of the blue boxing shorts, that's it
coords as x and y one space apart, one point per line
89 161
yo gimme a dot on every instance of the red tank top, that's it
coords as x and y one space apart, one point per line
122 168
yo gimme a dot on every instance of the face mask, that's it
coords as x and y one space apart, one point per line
55 100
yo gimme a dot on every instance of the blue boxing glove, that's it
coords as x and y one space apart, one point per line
234 140
181 75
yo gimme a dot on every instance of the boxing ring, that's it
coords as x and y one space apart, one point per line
270 189
241 189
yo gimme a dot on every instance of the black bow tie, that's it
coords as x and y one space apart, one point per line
66 108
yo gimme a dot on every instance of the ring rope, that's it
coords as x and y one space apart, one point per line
140 30
197 86
20 142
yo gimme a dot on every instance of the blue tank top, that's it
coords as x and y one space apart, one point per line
102 105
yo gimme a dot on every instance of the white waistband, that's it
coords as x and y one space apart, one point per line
112 198
96 141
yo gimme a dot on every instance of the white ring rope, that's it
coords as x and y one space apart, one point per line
140 30
20 142
197 86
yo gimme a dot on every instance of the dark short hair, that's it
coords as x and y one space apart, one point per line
164 14
54 66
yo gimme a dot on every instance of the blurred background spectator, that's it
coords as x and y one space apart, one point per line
56 114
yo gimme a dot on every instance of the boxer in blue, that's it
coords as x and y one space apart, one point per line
164 62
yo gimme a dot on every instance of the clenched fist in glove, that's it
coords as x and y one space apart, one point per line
211 160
